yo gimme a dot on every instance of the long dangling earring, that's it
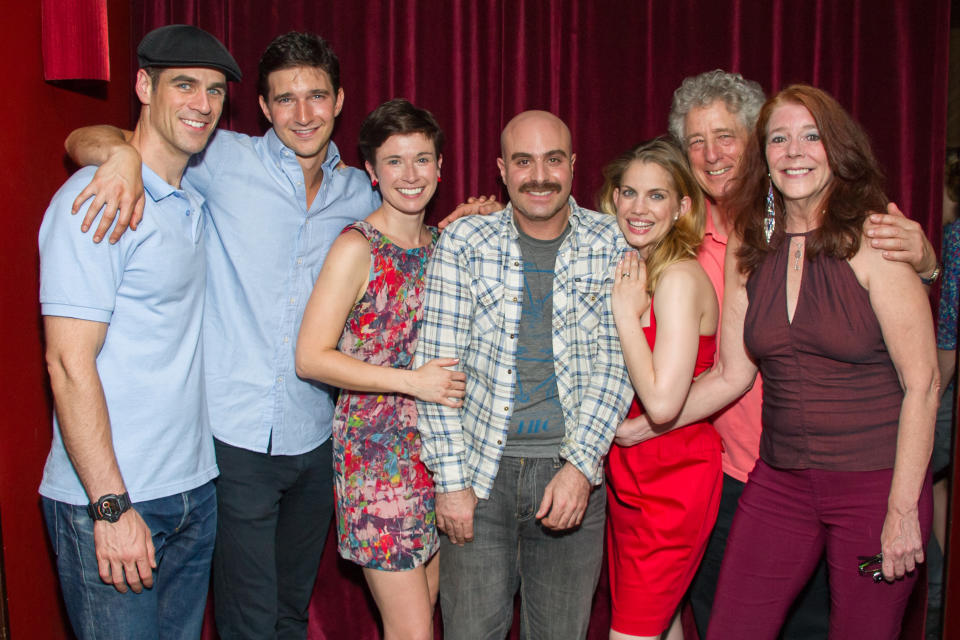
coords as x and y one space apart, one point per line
770 220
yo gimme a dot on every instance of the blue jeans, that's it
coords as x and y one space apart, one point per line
183 527
555 572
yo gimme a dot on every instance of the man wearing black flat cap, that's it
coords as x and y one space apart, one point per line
127 488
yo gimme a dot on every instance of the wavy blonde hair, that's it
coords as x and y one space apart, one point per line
684 238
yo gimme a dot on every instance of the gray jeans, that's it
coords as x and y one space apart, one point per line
555 572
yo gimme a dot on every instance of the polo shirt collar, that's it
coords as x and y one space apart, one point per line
155 186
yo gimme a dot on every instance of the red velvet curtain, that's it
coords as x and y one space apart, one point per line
608 69
74 40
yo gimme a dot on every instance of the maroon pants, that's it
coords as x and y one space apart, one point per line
784 522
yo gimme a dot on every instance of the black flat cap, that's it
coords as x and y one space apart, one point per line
183 45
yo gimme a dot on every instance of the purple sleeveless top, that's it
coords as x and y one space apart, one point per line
831 397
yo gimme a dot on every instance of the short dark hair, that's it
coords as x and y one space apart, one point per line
397 117
154 73
296 49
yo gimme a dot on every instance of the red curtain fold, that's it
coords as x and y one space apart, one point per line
75 43
609 70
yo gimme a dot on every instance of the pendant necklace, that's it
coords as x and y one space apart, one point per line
797 254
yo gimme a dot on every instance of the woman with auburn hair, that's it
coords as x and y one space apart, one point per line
844 341
359 333
664 492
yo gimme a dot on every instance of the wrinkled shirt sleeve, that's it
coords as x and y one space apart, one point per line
444 333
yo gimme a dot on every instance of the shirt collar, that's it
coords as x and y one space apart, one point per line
511 227
710 229
279 150
155 186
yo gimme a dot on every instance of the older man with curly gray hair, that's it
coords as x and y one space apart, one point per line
712 117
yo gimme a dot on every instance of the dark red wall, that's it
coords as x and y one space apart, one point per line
35 117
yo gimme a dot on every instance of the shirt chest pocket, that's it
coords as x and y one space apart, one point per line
589 308
489 311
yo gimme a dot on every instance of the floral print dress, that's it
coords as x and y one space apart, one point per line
385 500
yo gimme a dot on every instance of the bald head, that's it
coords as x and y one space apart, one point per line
535 122
537 168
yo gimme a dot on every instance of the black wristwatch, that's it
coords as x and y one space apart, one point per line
109 507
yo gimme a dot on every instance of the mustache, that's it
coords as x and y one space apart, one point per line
539 186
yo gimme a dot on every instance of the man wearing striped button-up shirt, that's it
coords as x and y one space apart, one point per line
521 297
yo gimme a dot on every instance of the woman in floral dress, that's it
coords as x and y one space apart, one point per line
359 333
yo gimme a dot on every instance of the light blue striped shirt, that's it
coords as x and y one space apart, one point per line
472 312
264 253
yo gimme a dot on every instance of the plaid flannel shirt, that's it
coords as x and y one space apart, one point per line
472 312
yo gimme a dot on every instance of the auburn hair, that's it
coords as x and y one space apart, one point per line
855 190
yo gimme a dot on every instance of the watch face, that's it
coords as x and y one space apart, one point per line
110 509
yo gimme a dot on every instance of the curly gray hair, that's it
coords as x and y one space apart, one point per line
742 97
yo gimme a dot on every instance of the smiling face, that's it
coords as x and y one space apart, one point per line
714 142
797 159
183 107
648 205
302 107
407 167
537 169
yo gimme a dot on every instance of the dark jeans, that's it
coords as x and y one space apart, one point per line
182 527
555 572
274 515
808 618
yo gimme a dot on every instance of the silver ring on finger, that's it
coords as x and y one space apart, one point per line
626 274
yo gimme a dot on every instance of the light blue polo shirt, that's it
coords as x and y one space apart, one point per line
264 253
149 288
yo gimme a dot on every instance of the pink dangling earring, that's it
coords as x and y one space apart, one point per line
439 179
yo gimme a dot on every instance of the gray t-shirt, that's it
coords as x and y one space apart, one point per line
536 427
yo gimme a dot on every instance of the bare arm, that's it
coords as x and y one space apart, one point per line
662 377
342 282
125 553
947 363
117 187
902 240
734 372
900 304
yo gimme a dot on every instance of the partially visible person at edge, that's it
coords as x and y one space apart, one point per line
711 116
941 461
127 488
522 299
844 340
359 333
277 202
663 493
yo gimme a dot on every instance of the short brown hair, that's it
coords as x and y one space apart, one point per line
397 117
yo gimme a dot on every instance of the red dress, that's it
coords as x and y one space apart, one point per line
663 496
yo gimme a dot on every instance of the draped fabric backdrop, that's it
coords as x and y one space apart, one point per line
609 69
